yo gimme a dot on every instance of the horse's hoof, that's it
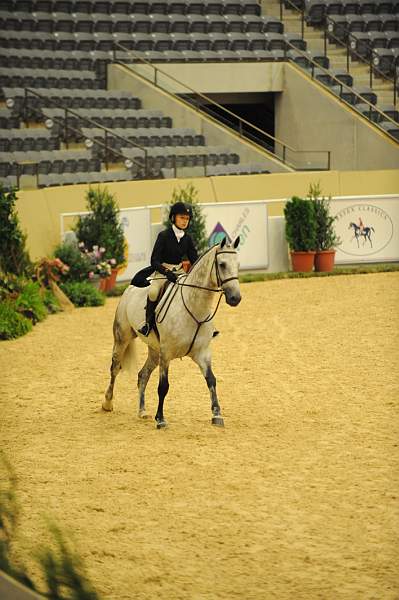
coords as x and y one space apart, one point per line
218 421
107 405
143 414
162 424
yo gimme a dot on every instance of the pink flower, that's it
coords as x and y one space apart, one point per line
112 261
91 275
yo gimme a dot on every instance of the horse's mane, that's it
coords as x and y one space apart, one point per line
202 256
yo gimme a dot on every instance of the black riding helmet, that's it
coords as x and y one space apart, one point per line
179 209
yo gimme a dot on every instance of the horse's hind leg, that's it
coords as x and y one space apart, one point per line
143 377
204 362
122 337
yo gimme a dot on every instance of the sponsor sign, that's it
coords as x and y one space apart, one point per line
136 223
368 228
245 219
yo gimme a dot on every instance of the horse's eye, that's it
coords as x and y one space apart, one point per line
222 265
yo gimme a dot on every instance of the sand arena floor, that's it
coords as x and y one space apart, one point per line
297 498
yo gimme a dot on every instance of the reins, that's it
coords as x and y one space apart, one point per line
170 297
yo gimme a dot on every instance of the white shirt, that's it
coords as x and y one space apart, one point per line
179 233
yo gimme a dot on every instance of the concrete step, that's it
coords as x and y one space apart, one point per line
387 98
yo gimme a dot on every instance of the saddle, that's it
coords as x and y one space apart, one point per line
140 278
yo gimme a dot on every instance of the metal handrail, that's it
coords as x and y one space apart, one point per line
350 51
210 101
361 58
107 132
342 85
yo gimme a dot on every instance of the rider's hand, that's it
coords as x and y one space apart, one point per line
171 276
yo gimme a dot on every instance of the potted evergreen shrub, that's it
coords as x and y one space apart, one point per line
300 232
326 238
101 228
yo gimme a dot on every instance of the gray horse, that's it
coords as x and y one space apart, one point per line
184 325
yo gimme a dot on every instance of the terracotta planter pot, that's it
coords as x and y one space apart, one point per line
102 286
324 261
302 261
111 280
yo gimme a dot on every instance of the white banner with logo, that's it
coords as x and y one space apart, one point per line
136 223
245 219
368 228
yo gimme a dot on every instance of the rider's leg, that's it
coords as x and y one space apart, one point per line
153 292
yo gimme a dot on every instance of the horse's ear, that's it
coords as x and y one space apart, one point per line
236 242
223 242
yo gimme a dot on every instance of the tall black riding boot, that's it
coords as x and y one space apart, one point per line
149 317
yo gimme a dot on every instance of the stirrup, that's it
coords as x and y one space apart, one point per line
145 330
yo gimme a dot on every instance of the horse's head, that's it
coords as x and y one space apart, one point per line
226 267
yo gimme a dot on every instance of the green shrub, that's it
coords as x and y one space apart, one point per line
326 238
10 285
30 302
101 227
50 301
300 224
12 323
13 256
79 264
82 293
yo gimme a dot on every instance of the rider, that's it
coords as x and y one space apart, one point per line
172 244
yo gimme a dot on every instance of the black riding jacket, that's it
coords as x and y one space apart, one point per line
168 250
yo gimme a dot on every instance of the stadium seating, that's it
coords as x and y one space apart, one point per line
61 48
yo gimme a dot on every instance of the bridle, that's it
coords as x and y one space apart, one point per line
219 288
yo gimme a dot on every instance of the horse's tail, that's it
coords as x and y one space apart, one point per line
129 358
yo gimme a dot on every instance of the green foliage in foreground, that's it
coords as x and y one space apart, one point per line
62 568
12 323
357 270
9 514
82 293
63 571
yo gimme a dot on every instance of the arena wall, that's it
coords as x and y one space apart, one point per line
39 210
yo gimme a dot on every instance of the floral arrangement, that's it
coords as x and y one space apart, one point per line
50 269
100 265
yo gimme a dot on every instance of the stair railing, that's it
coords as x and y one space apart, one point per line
245 130
89 142
373 110
350 51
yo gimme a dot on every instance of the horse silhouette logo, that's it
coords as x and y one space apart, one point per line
364 229
361 231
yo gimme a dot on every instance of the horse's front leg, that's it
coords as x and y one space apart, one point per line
143 377
204 361
163 388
